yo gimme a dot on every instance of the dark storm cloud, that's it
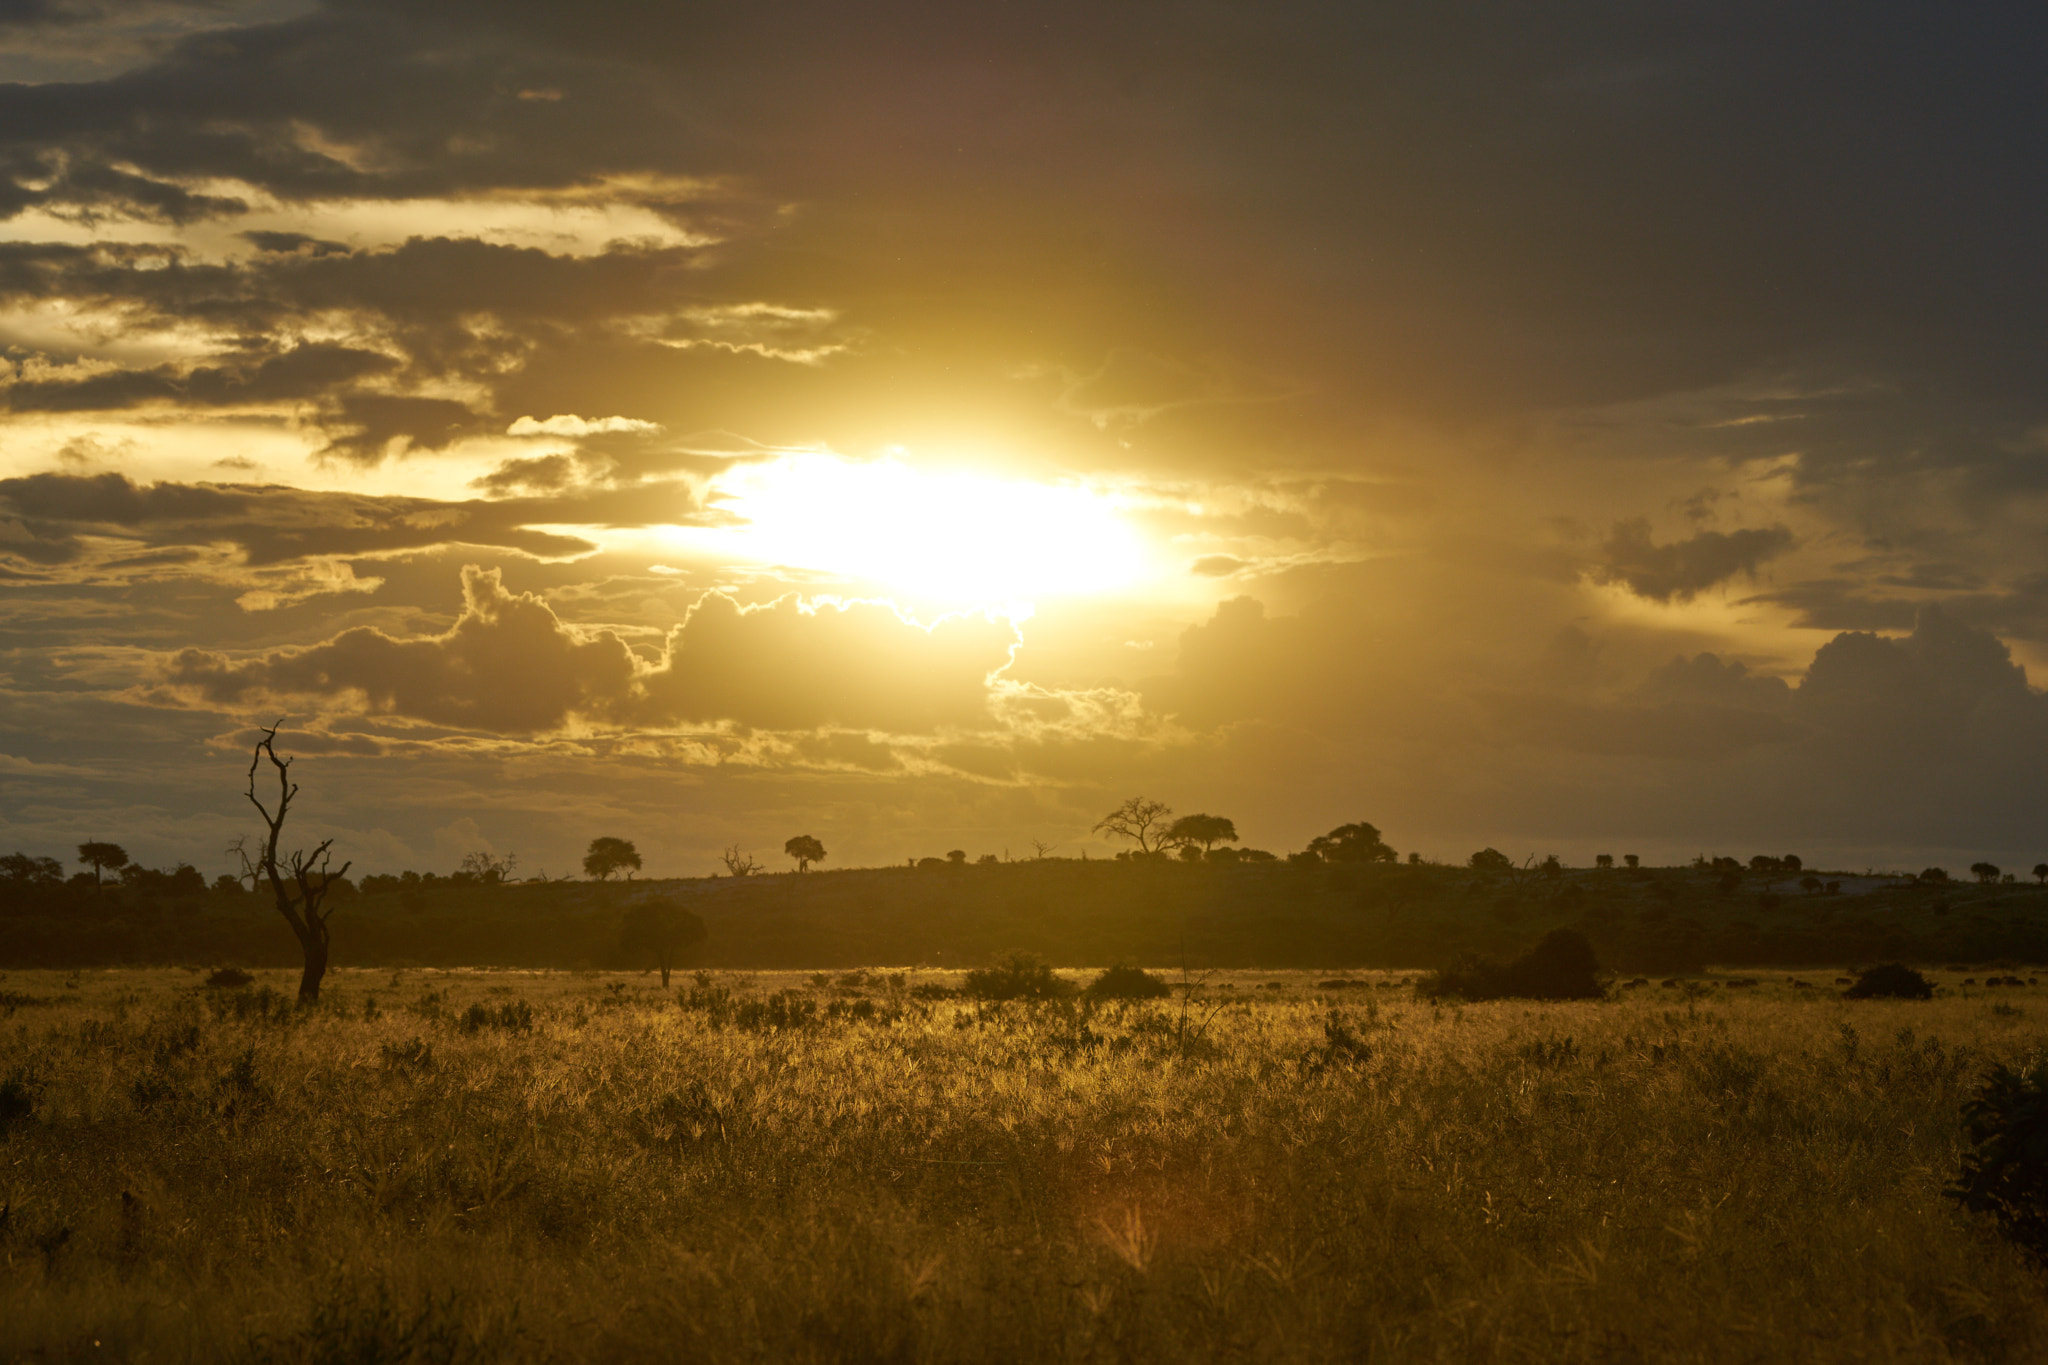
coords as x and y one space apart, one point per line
510 665
1683 569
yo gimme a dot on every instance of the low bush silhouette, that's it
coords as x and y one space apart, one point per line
514 1016
1562 966
1128 983
2005 1169
228 978
1891 981
1020 976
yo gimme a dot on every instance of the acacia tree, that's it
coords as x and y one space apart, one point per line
1985 872
97 855
2041 873
662 930
1354 843
609 856
301 880
1143 822
807 850
1206 830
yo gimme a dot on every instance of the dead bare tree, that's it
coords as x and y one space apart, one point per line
302 880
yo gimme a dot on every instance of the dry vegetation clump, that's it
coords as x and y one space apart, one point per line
1020 976
1562 966
1128 983
646 1175
1891 981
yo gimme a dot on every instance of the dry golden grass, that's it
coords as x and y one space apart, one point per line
1301 1175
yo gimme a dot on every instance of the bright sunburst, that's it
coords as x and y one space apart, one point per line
958 538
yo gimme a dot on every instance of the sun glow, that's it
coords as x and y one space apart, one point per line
956 538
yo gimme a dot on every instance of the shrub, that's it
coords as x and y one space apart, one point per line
1128 983
1892 981
514 1016
1019 976
229 979
2005 1169
1561 967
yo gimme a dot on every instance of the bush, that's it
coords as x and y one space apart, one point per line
1128 983
2005 1169
1892 981
1018 977
514 1016
229 979
1561 967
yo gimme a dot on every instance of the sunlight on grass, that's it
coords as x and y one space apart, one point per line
526 1166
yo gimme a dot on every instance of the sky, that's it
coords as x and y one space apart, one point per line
1570 429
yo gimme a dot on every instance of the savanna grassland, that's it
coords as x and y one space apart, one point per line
446 1166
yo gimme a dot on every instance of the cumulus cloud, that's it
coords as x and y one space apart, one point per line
510 665
1681 570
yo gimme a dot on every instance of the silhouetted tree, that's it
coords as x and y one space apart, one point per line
1933 874
1354 843
607 857
1792 862
739 864
1206 830
20 867
1986 873
101 855
1632 860
807 850
661 930
301 882
1491 860
1603 861
2041 873
1143 822
488 868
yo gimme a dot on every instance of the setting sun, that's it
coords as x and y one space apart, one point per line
954 537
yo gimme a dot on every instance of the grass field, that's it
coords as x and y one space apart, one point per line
452 1166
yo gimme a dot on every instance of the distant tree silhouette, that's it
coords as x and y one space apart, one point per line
1933 874
300 883
20 867
1143 822
1205 830
1792 862
738 864
1632 860
1812 885
1354 843
607 857
487 867
661 930
807 850
99 855
1986 873
1603 860
1552 866
1490 860
2041 873
957 857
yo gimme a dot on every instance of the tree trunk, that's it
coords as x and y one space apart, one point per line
314 948
664 972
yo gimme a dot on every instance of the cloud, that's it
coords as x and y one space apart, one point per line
46 516
789 665
510 665
1680 571
561 425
